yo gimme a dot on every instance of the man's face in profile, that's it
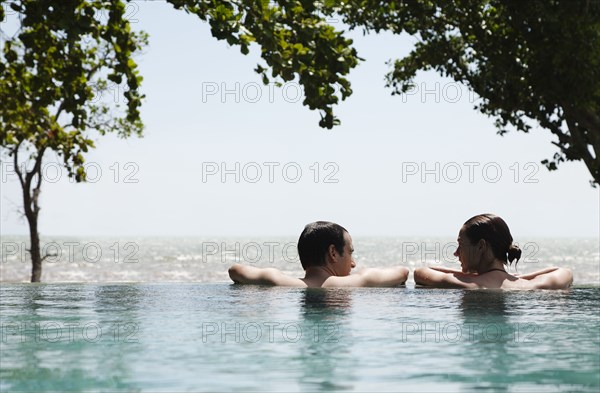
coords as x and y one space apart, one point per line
346 260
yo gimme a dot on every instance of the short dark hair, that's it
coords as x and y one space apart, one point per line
315 240
493 230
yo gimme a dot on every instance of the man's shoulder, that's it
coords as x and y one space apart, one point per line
353 280
277 277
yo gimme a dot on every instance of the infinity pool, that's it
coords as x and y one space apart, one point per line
221 337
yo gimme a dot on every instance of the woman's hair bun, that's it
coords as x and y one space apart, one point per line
514 252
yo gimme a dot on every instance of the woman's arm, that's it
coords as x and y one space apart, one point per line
445 269
529 276
554 278
434 278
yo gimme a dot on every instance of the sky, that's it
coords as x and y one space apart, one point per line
224 155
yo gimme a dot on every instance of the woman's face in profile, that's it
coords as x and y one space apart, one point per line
466 253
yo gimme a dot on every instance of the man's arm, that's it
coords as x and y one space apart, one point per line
439 279
374 277
241 274
385 277
551 278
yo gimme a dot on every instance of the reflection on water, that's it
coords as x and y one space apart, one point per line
478 304
487 353
325 361
516 333
66 338
192 337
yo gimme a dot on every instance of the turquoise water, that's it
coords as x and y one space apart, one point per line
220 337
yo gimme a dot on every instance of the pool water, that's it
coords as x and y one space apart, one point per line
221 337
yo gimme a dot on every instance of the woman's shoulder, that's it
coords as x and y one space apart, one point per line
517 283
553 278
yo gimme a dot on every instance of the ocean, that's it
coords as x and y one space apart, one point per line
204 259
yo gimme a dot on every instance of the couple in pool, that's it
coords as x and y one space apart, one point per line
484 249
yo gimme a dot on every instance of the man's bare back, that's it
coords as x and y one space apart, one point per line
326 253
384 277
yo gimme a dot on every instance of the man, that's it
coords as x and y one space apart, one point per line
325 250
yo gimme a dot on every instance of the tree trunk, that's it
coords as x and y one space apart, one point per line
36 258
31 212
32 209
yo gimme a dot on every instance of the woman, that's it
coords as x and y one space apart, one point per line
484 249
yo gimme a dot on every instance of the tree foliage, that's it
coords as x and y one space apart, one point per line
534 62
64 54
61 55
295 40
